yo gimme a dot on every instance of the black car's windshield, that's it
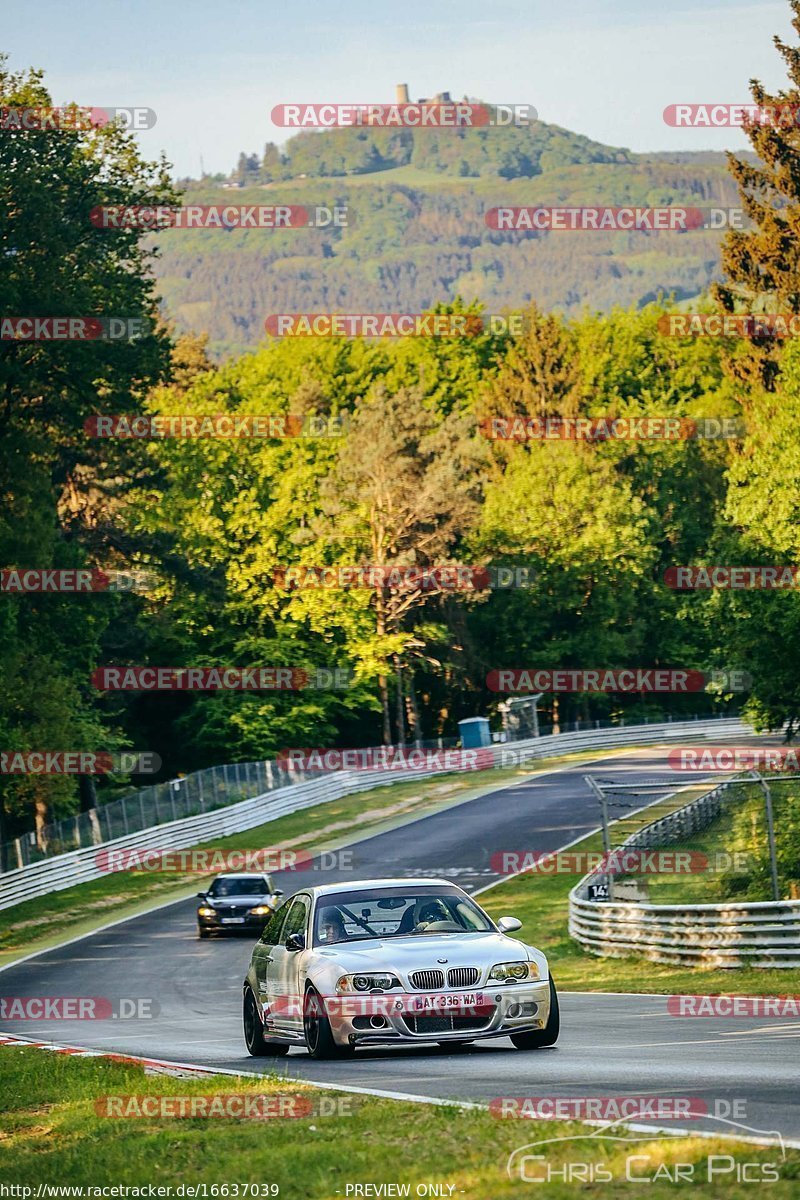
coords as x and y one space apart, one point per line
391 912
258 885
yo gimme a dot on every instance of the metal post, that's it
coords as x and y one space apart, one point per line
601 796
536 700
773 860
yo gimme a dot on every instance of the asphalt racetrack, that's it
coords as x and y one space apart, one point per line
610 1044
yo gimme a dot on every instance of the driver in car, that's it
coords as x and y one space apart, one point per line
332 926
430 912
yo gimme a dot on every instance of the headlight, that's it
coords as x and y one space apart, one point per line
262 910
514 972
368 983
205 911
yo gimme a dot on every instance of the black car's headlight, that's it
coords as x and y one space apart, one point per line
205 911
382 981
261 910
514 972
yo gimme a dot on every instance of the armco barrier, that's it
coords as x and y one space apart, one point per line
742 934
80 866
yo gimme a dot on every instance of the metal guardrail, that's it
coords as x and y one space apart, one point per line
187 796
82 866
764 933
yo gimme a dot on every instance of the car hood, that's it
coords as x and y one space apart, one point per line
249 900
424 951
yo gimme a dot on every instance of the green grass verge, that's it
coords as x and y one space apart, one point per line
48 920
540 902
51 1134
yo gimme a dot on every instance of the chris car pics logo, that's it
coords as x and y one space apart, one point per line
560 1160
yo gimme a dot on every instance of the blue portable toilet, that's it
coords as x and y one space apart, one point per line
475 732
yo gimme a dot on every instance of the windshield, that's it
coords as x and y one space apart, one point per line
389 912
258 885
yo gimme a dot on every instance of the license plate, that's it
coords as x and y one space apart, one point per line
232 920
447 1002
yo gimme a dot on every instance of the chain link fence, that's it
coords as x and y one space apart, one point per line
188 796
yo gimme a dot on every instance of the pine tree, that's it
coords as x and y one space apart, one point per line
762 264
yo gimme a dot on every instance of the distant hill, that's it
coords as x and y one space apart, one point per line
417 234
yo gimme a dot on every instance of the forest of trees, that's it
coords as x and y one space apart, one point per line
410 480
414 239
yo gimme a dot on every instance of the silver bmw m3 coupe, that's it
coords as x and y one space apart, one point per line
393 961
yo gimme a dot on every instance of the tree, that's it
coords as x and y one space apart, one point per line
55 481
762 264
404 490
763 509
538 376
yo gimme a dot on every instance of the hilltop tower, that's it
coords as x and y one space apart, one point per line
401 93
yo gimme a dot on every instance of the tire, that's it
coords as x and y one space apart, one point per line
317 1029
203 933
548 1036
254 1039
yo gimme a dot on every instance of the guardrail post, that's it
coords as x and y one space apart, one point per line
601 796
773 859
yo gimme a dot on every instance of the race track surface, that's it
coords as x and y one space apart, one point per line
610 1045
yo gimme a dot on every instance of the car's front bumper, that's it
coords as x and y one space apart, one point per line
512 1008
226 925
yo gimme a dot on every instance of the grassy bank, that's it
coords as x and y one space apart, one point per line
51 1134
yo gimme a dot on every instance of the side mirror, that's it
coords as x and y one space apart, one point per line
278 892
295 941
508 924
201 895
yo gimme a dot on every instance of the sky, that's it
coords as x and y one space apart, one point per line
213 72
